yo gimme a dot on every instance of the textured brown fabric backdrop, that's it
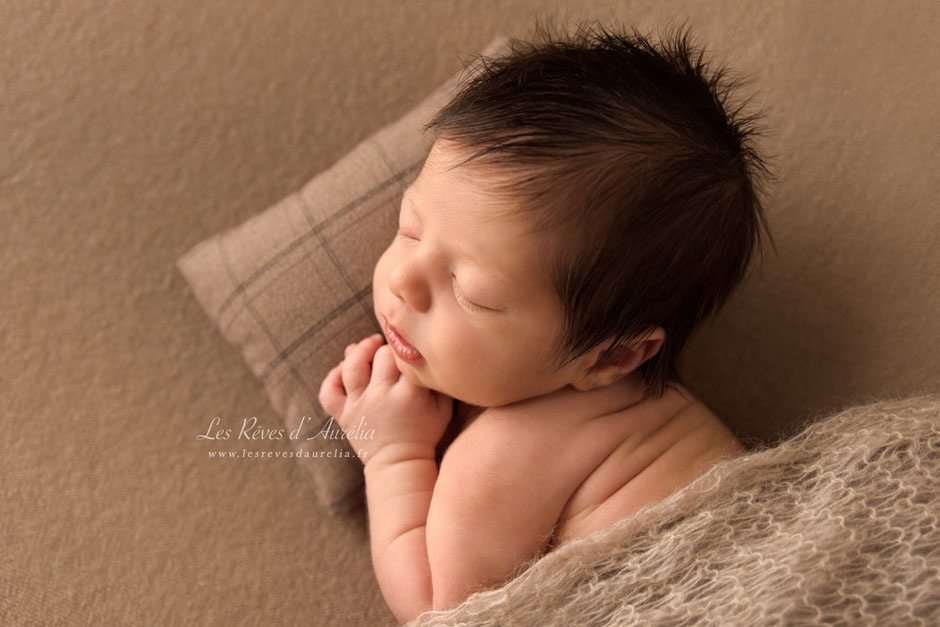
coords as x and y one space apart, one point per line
133 130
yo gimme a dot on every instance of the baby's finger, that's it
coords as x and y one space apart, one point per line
332 396
356 367
383 366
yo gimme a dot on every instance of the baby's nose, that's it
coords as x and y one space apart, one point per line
408 283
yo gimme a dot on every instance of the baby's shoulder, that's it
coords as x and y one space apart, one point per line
594 456
644 454
562 433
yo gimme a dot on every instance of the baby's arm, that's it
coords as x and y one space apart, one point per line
403 423
399 484
494 507
435 538
439 535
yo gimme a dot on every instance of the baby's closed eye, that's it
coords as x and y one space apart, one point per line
463 300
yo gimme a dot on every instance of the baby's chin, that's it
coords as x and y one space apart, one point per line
412 375
415 378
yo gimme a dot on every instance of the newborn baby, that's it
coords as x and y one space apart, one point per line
585 204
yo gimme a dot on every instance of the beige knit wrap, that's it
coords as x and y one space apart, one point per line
838 524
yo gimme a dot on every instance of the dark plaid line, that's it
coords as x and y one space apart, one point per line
356 491
384 157
299 363
283 268
310 332
314 232
331 254
226 263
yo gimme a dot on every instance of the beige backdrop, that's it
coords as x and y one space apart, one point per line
133 130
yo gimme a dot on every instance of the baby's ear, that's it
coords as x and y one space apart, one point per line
602 370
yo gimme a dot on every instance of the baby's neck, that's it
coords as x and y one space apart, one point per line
464 414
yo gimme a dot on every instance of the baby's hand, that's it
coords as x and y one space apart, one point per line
380 410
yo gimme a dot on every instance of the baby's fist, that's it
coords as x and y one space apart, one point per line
405 419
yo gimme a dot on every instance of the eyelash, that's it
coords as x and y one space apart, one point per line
463 301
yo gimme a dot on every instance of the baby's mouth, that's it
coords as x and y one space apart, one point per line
401 347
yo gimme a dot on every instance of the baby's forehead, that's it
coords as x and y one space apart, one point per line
489 208
480 194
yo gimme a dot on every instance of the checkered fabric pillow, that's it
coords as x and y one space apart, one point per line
292 286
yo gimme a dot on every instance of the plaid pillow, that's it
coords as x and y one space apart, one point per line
292 286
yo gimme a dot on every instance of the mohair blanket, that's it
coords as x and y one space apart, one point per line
838 524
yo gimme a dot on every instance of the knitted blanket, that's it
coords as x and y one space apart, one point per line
838 524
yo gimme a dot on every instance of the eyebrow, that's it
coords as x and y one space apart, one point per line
501 281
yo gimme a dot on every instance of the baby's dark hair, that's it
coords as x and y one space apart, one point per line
626 148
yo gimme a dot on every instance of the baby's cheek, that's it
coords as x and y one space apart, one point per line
454 359
378 272
380 282
479 374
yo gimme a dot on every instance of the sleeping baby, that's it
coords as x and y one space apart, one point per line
586 203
